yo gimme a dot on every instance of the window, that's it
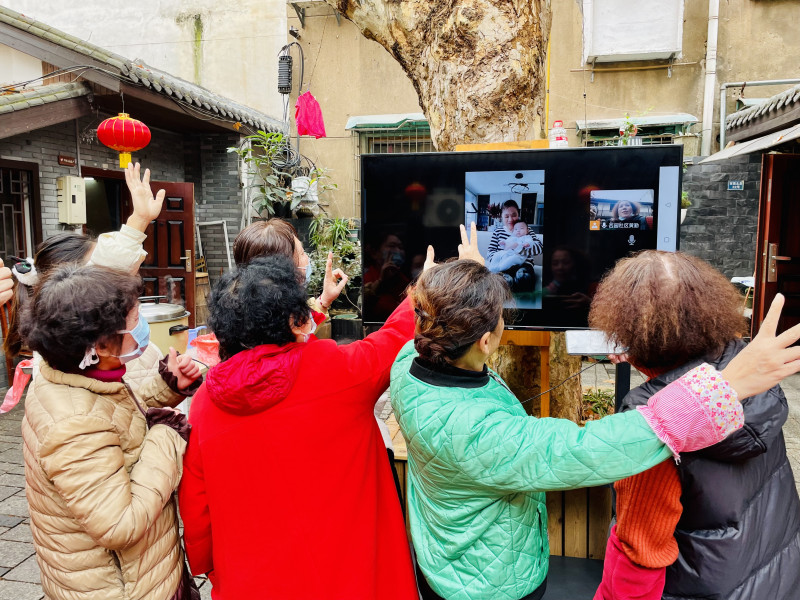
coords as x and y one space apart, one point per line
394 133
624 30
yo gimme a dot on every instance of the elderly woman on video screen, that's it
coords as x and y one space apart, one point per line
724 522
478 465
627 211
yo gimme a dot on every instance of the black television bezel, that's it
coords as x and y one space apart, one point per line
678 148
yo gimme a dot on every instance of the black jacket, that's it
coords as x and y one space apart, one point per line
739 534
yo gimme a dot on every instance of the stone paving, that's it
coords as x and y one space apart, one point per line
19 574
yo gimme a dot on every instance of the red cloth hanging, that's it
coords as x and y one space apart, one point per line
308 116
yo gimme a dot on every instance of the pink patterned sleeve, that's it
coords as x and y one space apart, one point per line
694 412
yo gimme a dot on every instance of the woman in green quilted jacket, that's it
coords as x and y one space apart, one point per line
478 465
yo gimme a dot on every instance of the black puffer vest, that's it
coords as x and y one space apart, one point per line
739 534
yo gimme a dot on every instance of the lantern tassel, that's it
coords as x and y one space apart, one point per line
124 160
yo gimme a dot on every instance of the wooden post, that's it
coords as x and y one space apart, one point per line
540 339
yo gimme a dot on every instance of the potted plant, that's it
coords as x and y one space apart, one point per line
261 154
308 188
685 204
627 132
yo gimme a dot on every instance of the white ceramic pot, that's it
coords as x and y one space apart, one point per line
683 214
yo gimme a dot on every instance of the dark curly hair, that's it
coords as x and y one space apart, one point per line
76 307
252 305
60 249
455 304
667 308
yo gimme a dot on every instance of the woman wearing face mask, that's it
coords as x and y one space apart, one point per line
264 515
121 250
277 237
100 466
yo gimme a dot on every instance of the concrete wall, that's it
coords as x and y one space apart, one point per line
229 47
349 75
757 40
720 226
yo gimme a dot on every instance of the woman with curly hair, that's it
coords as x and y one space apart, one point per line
100 466
478 465
724 523
265 515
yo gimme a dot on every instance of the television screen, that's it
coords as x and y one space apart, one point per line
550 222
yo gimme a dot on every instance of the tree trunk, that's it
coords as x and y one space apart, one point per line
479 69
478 65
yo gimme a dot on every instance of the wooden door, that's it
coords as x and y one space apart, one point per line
168 269
16 196
778 245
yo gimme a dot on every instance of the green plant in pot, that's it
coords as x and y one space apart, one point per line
335 235
308 188
685 204
262 154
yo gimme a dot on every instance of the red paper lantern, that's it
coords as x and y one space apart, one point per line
125 135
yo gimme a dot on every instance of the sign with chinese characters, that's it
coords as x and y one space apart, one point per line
67 161
735 185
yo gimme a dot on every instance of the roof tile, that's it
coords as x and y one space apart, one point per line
776 102
141 74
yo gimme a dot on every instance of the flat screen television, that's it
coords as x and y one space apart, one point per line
551 222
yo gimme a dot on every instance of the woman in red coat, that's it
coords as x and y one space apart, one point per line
286 491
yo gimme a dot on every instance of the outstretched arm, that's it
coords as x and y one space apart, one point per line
122 249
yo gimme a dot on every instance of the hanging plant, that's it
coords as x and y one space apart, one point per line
261 153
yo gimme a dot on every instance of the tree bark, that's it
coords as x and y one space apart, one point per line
479 70
478 65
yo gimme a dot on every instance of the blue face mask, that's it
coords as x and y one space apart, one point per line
309 270
140 335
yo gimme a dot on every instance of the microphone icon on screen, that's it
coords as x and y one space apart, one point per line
631 240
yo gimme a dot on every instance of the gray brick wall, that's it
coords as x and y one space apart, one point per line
214 171
199 159
163 156
720 226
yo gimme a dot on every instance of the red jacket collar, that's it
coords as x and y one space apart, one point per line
254 380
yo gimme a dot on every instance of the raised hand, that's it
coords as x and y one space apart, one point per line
333 284
468 248
767 359
145 206
183 367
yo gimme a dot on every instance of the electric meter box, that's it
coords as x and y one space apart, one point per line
71 193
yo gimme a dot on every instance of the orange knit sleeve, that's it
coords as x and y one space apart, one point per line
648 510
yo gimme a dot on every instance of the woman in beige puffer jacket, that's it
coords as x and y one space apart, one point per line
99 482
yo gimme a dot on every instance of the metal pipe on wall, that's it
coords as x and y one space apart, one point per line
711 77
723 112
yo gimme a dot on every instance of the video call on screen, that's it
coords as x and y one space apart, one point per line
550 222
